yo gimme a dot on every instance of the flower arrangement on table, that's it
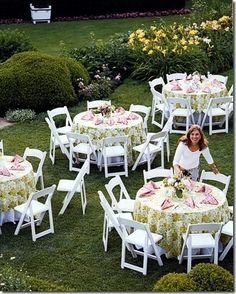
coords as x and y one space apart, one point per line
179 184
105 109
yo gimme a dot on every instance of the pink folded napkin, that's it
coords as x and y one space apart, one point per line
132 116
217 83
89 115
205 189
174 82
97 120
17 167
189 77
176 88
189 184
206 90
17 159
190 202
166 204
148 189
4 171
110 121
120 110
190 90
209 199
122 120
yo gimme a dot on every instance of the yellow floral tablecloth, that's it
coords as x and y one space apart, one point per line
134 130
15 189
199 99
172 222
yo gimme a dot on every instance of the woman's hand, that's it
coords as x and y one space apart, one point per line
214 168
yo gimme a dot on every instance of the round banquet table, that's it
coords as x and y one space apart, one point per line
14 189
134 130
172 222
199 99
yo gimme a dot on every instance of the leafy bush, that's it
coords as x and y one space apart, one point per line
20 115
211 277
11 42
174 282
12 280
178 48
38 81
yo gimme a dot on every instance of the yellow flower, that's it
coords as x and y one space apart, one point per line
183 41
175 37
185 47
227 29
150 52
193 32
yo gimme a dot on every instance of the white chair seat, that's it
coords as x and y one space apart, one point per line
160 106
114 151
82 148
202 240
64 130
152 148
63 139
37 207
126 215
228 228
216 111
180 112
67 185
138 238
126 205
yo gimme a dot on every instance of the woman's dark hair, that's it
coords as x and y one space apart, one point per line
203 143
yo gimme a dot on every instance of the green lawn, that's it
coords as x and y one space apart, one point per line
74 255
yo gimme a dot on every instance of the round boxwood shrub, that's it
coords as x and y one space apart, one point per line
211 277
174 282
37 81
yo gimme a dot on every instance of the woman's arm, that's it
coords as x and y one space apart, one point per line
176 160
207 155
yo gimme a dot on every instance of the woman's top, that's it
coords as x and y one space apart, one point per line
188 159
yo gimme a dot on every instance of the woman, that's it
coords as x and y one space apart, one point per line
187 154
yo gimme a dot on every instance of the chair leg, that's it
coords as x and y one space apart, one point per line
123 252
33 228
19 224
226 250
83 198
105 233
168 148
189 262
42 182
145 259
66 202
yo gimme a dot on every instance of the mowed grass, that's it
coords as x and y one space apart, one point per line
74 255
76 34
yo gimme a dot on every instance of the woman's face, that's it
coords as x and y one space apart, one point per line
195 136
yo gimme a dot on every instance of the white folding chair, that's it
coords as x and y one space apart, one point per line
158 104
1 148
214 109
74 186
114 153
175 76
123 202
231 91
61 112
228 229
144 110
56 141
81 145
180 108
220 178
220 78
97 103
110 220
139 241
33 211
204 244
157 173
38 174
149 149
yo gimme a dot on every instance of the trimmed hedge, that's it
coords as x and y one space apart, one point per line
38 81
211 277
174 282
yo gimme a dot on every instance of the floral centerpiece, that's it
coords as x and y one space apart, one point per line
179 184
105 109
